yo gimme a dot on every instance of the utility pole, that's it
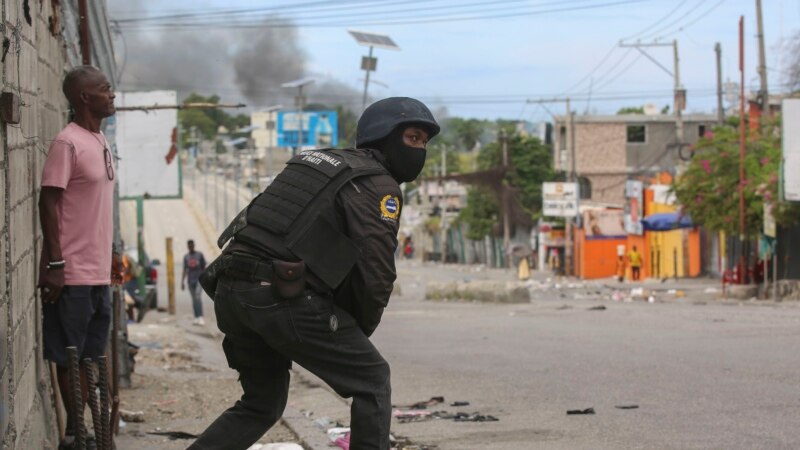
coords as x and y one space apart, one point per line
504 193
572 172
369 67
742 259
763 93
680 94
568 244
299 101
443 203
720 108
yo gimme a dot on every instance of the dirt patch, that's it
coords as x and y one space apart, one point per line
177 389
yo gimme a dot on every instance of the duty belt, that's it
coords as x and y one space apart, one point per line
246 267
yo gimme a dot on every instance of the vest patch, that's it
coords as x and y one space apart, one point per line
325 162
390 207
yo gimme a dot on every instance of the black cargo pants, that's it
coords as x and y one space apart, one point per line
264 334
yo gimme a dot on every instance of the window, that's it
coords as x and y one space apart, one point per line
701 130
585 188
637 134
562 138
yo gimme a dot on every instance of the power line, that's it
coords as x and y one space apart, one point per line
663 18
674 22
697 19
273 9
622 72
404 21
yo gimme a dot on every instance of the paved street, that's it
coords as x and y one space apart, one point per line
705 374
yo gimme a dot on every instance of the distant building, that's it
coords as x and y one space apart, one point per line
610 149
263 134
270 159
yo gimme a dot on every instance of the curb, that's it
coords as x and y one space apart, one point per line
310 437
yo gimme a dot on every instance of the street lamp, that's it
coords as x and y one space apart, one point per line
299 102
368 63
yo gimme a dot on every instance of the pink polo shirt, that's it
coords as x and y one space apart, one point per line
76 164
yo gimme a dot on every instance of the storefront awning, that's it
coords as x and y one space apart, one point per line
666 222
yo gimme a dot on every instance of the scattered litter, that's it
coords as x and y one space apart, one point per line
474 417
710 290
651 299
597 308
343 442
131 416
173 435
306 414
276 446
422 416
627 406
617 296
672 292
411 416
575 412
637 292
424 404
337 432
459 404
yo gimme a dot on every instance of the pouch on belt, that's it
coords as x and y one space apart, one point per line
288 279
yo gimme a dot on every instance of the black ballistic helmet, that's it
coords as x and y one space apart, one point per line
383 116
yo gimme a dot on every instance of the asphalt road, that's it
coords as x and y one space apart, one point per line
703 375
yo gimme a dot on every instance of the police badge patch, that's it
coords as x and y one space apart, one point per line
390 207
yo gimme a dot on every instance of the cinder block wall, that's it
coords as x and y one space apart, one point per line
32 69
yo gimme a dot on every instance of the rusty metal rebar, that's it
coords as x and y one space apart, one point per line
92 399
76 401
102 368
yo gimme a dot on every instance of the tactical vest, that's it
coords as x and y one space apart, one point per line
295 215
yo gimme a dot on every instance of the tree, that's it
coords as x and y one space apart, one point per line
709 189
631 110
793 73
532 165
208 120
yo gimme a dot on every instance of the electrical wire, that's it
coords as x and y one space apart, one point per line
697 19
674 22
416 20
663 18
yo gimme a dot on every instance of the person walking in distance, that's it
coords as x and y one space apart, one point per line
194 263
78 262
635 260
308 272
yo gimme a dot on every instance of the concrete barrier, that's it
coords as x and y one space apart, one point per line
479 291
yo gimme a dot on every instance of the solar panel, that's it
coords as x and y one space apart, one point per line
374 40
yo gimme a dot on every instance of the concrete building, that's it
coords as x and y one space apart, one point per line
271 159
611 149
43 45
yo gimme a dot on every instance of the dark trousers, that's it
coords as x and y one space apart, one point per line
635 271
263 335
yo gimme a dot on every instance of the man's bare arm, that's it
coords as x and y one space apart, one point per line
51 280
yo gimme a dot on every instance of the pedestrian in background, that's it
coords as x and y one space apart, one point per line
308 273
194 263
78 263
635 260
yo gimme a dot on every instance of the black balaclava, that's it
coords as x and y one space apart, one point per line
403 162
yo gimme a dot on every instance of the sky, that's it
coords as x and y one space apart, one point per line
484 67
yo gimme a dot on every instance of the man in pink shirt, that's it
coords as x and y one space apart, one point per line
75 210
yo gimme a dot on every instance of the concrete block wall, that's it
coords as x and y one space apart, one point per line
33 69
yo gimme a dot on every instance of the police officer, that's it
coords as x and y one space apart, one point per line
308 272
